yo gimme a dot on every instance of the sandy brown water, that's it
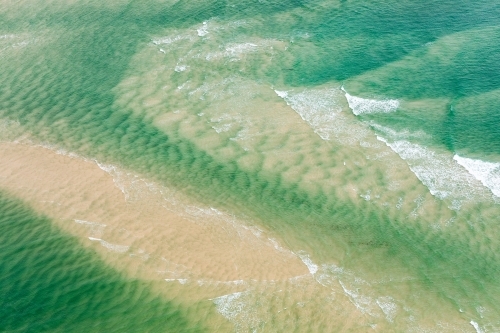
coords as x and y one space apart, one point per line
157 239
192 253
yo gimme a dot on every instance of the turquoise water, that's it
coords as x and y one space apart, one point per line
365 134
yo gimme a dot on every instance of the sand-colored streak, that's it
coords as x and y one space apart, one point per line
148 235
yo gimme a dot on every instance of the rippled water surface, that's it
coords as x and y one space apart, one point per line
256 166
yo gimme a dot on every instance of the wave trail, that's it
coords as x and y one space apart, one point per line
360 105
487 173
443 174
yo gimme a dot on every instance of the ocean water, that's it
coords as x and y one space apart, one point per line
50 284
257 166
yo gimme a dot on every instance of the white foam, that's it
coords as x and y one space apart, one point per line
360 105
89 223
221 128
358 291
21 44
444 178
476 326
237 49
169 40
224 303
282 94
235 307
481 310
320 108
132 185
181 281
487 173
366 196
113 247
180 68
216 283
115 173
362 303
402 134
389 308
328 275
311 266
203 30
182 86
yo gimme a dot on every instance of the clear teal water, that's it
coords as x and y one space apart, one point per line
184 92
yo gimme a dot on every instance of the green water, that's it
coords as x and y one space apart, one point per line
184 92
50 284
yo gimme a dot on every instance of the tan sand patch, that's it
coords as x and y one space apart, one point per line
155 233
